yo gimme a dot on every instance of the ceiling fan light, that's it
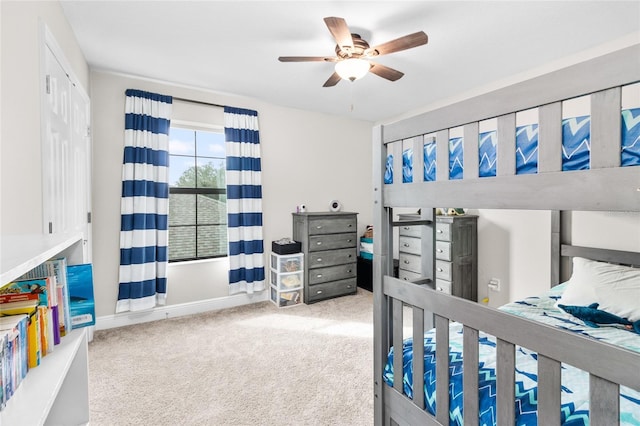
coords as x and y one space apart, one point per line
352 69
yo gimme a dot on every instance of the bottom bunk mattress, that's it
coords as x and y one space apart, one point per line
575 383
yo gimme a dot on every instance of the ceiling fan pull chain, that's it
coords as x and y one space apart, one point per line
351 110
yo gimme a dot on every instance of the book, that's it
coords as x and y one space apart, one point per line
34 347
46 334
58 268
45 289
37 286
81 299
17 325
20 304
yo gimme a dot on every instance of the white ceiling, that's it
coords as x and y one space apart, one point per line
233 46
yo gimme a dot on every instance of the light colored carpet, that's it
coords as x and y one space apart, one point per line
251 365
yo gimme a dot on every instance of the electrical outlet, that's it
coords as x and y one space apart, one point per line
494 284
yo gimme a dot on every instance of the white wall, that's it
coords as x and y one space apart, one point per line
306 158
20 159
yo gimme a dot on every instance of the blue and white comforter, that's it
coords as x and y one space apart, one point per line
575 383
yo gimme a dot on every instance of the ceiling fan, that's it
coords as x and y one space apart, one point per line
353 53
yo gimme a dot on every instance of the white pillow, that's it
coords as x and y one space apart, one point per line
615 288
580 289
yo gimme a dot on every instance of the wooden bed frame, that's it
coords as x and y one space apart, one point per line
605 187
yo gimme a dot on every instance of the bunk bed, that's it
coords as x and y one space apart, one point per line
413 167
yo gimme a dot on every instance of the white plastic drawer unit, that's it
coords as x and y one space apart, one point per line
287 262
286 298
287 280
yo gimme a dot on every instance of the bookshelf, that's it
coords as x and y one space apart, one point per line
57 391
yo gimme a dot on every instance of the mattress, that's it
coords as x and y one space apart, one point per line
575 406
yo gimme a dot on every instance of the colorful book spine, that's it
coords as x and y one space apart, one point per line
58 268
33 339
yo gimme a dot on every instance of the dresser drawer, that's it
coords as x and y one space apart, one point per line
405 275
410 231
443 286
332 289
410 262
332 241
443 250
318 259
335 225
332 273
410 245
443 270
443 231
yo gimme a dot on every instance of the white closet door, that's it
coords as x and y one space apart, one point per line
66 152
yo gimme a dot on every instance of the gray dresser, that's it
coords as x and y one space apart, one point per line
410 250
456 252
329 243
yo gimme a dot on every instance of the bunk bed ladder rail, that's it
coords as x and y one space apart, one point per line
553 347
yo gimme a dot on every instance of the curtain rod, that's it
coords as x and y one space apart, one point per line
197 102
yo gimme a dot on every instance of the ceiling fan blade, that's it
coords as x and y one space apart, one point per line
307 59
402 43
341 33
332 81
385 72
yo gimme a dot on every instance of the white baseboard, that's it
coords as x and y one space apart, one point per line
173 311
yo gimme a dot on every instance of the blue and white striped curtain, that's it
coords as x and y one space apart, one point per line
144 235
244 201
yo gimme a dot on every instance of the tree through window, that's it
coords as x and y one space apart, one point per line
197 194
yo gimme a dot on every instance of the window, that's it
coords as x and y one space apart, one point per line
197 194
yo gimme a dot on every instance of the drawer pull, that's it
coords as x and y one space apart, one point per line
319 276
439 250
349 241
439 269
350 256
319 292
319 243
406 244
319 227
406 262
349 271
406 279
349 286
439 231
350 225
406 228
440 289
319 259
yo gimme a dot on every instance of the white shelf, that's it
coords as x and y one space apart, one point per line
57 391
35 401
21 253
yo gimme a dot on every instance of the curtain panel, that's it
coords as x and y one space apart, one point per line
244 201
144 234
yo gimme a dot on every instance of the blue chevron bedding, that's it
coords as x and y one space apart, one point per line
575 383
576 150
